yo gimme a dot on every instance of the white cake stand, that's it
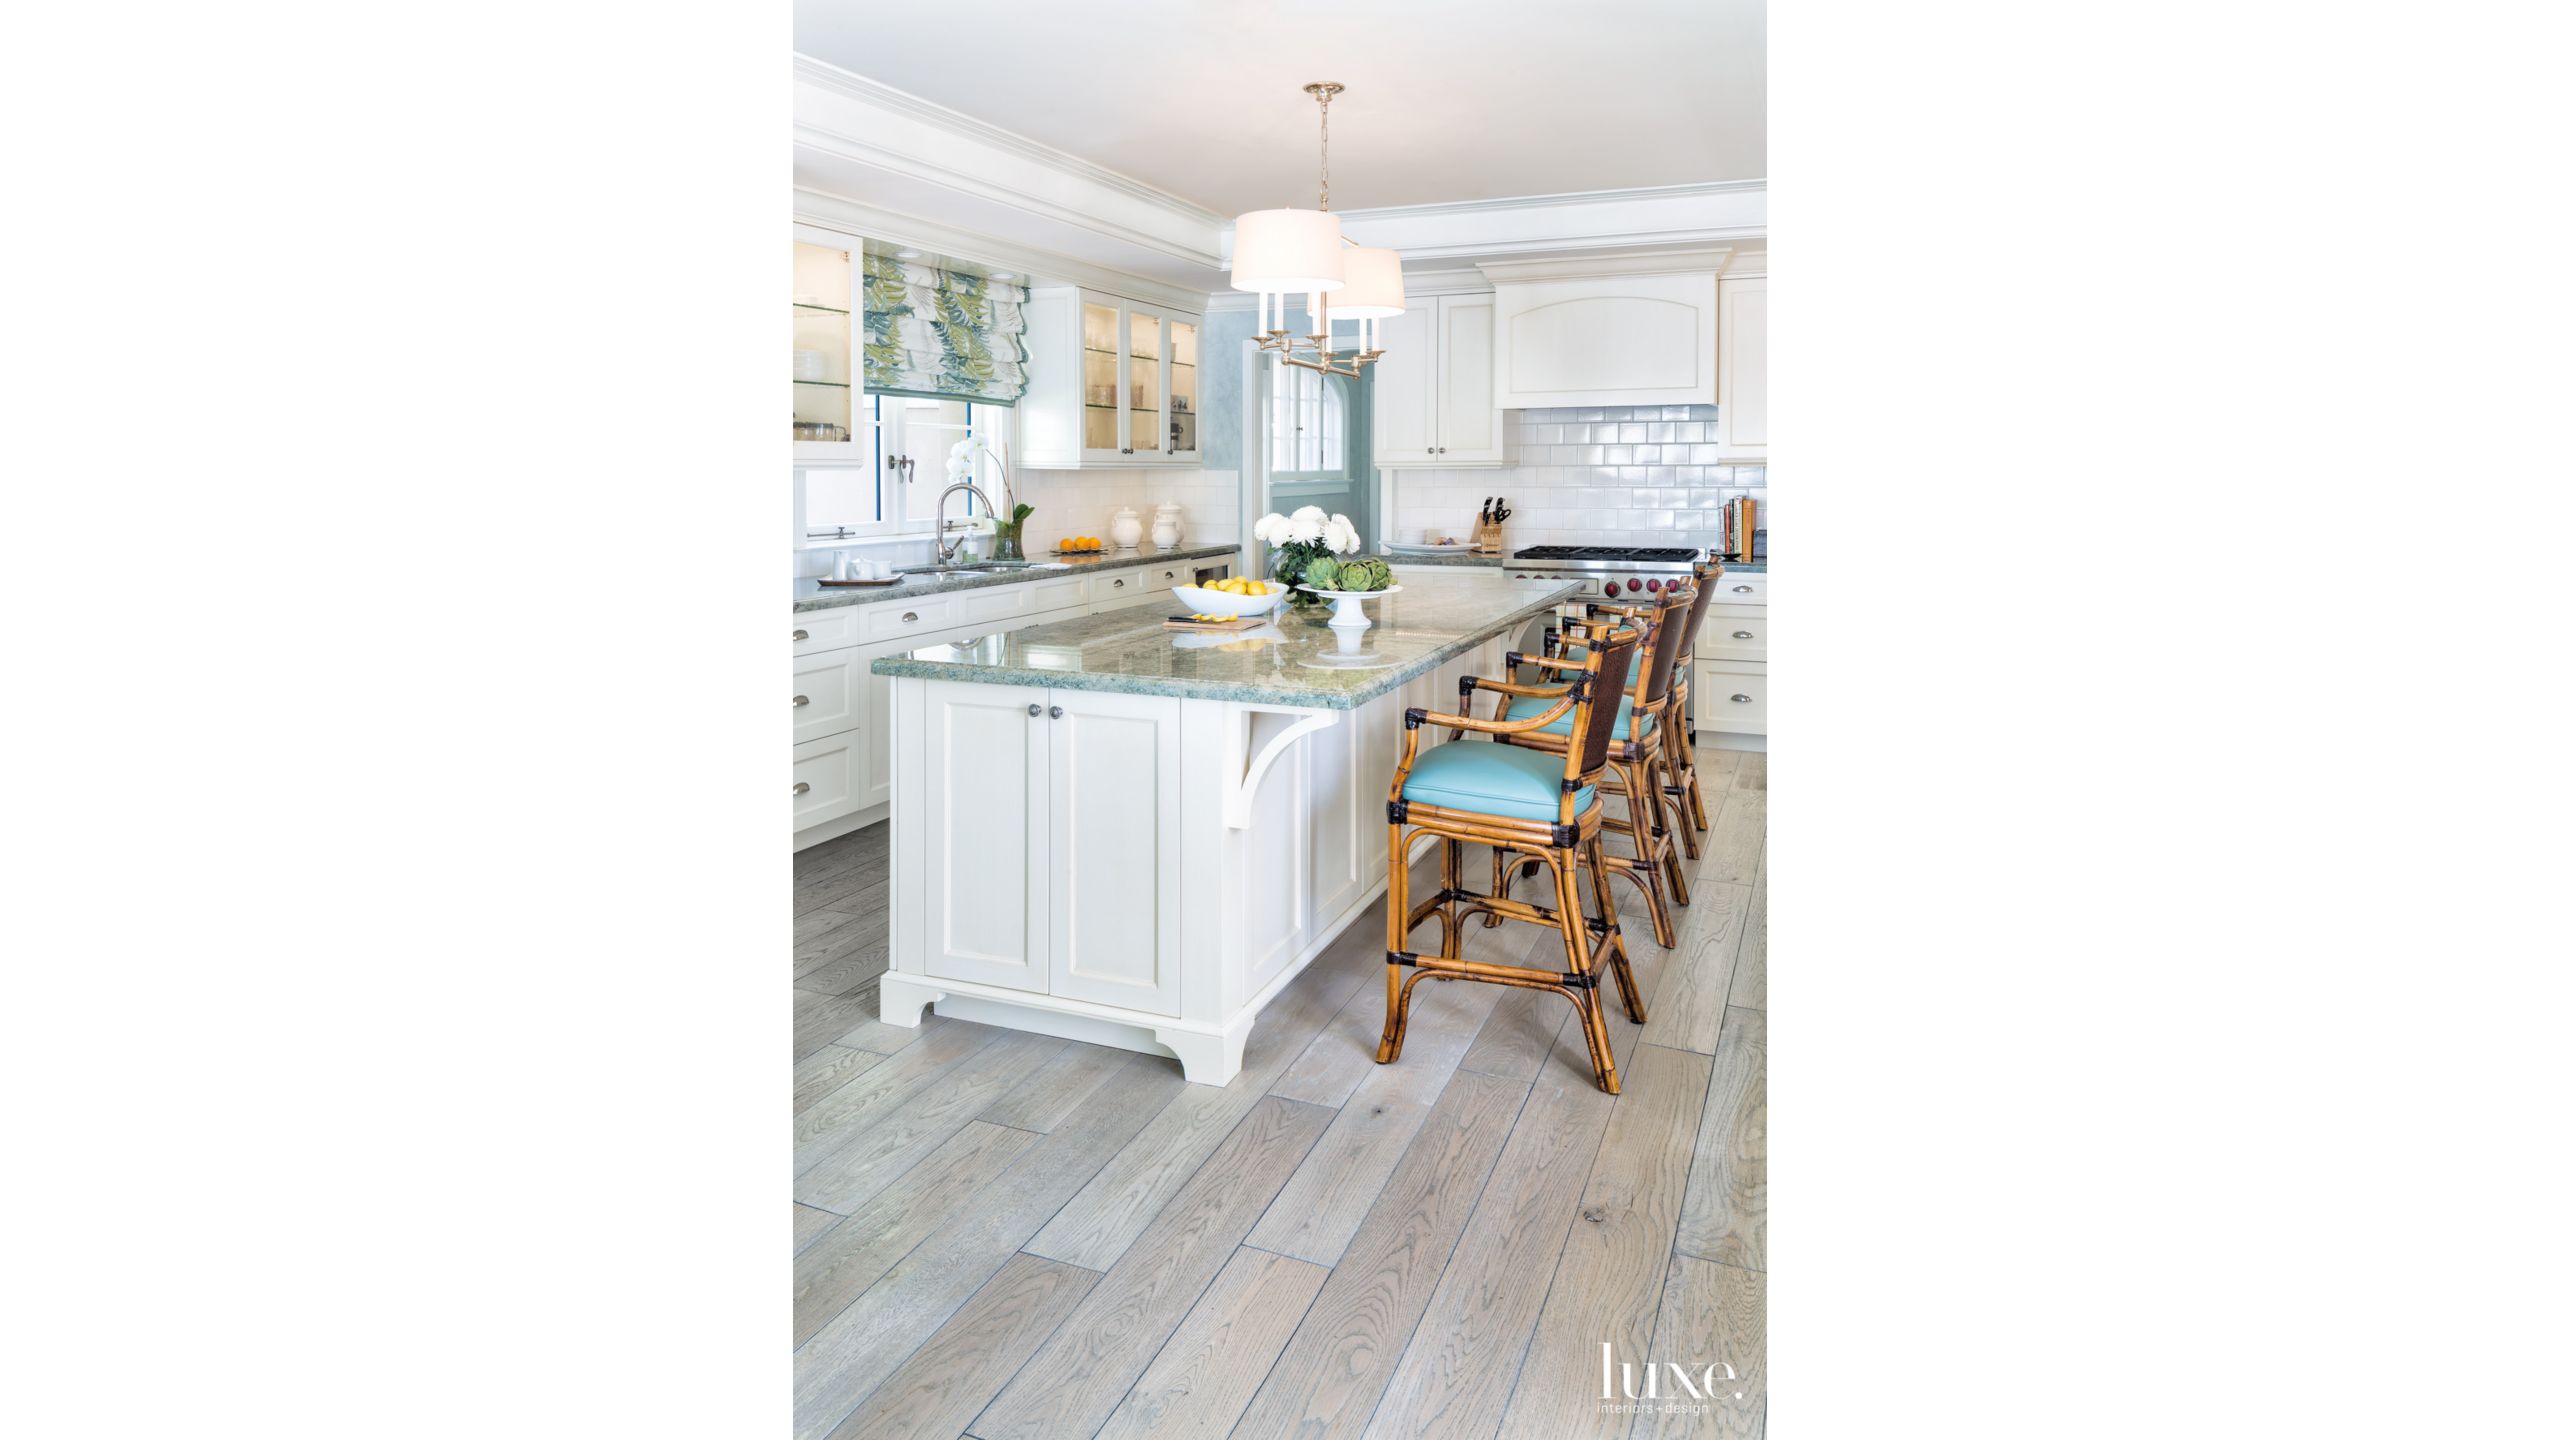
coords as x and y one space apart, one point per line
1347 614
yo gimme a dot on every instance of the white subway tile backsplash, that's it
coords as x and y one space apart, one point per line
1597 475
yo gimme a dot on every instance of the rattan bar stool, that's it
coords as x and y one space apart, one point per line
1513 798
1637 750
1679 734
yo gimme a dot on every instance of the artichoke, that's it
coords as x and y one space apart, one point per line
1324 572
1367 573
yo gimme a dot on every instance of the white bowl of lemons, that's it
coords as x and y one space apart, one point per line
1231 597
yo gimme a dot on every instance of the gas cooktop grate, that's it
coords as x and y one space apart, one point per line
1627 554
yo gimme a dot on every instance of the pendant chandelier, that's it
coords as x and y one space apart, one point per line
1281 253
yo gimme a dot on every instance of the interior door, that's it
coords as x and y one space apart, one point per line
1401 421
986 816
1470 427
1114 872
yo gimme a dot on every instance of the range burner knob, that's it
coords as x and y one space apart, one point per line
1611 587
1671 587
1653 585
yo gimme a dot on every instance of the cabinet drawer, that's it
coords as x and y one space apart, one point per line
1734 632
1006 602
1116 585
823 630
1738 589
1160 579
825 694
826 779
891 618
1730 695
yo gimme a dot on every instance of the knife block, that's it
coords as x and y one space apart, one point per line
1486 534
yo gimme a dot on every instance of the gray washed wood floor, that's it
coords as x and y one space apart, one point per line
1011 1236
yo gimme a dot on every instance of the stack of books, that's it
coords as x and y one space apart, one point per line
1741 529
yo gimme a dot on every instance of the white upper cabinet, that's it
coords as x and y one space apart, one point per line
1113 382
826 350
1435 402
1742 363
1617 330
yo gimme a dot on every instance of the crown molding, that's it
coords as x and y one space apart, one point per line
873 144
856 221
942 117
1639 193
1668 260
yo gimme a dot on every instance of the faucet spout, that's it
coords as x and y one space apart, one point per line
943 550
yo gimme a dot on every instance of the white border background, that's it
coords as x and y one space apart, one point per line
2163 816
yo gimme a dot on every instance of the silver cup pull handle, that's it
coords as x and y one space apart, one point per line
800 789
799 700
1741 634
799 635
1741 699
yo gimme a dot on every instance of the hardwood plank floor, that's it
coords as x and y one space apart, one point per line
1726 1216
1080 1376
933 1395
1010 1236
1203 1376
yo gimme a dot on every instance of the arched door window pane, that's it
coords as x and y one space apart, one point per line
1306 425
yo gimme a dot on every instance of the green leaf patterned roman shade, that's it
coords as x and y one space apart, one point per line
940 334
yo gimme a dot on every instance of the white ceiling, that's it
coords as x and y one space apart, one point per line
1447 100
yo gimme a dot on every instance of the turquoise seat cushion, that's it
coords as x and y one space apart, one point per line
1490 779
1563 724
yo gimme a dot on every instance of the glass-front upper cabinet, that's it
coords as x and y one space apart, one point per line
826 361
1129 395
1182 389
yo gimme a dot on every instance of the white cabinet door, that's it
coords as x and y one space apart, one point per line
1729 695
986 818
1337 836
1610 340
825 695
1407 385
826 779
1742 371
1469 424
1114 826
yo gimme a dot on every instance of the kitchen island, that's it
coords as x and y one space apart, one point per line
1120 833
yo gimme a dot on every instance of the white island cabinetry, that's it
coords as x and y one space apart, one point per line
1147 870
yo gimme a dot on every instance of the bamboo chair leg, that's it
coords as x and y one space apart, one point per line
1619 964
1645 869
1680 778
1669 860
1452 944
1399 988
1501 882
1689 760
1577 946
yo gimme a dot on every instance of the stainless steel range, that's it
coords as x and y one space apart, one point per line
1606 570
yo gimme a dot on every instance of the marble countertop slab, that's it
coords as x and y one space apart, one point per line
1453 556
1283 661
807 594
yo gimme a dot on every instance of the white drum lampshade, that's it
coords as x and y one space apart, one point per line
1372 285
1292 251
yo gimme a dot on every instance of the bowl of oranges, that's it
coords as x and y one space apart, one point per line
1231 597
1080 545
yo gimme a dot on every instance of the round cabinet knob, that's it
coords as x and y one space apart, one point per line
1035 712
800 789
1610 588
1057 711
799 700
1740 699
1742 635
799 635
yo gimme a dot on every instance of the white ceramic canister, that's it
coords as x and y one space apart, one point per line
1168 530
1125 529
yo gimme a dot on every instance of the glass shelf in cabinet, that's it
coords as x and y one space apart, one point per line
818 309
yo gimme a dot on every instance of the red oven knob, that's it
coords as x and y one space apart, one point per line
1653 585
1611 587
1670 587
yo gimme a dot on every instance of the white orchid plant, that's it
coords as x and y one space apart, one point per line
1300 537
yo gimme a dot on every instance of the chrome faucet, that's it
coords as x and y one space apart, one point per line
942 550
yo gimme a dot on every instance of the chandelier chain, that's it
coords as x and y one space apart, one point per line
1324 152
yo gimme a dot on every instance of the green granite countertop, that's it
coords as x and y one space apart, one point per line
1283 661
1453 556
807 594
